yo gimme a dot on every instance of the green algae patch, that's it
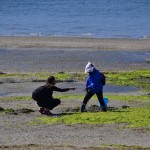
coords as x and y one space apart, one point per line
18 75
42 76
138 78
71 96
15 98
129 98
133 117
111 97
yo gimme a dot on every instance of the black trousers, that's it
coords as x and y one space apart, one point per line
90 94
50 104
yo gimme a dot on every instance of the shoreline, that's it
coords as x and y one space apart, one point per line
74 42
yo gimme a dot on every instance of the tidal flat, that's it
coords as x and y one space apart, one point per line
26 62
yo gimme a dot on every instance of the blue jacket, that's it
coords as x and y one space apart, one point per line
94 81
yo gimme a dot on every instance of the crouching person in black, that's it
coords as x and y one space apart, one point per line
44 96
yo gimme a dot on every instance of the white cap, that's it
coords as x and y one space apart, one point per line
89 67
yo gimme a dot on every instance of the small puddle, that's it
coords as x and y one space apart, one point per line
23 89
119 89
4 93
107 88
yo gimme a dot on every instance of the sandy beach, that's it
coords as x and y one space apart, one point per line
58 38
74 42
63 54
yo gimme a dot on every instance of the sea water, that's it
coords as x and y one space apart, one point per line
79 18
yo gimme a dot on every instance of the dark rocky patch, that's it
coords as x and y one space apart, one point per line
92 108
1 109
18 111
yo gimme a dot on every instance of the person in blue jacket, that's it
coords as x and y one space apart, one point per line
94 85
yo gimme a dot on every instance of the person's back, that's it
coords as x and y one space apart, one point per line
94 81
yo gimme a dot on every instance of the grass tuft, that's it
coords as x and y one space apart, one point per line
134 117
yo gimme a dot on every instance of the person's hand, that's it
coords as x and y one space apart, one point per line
72 88
87 90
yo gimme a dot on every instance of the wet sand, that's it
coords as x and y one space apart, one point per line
54 54
74 42
71 60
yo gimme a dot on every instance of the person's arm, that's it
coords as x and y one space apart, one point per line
88 85
62 89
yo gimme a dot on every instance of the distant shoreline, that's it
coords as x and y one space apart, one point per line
74 42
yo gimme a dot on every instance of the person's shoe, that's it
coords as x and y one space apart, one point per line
82 108
104 109
48 113
41 110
